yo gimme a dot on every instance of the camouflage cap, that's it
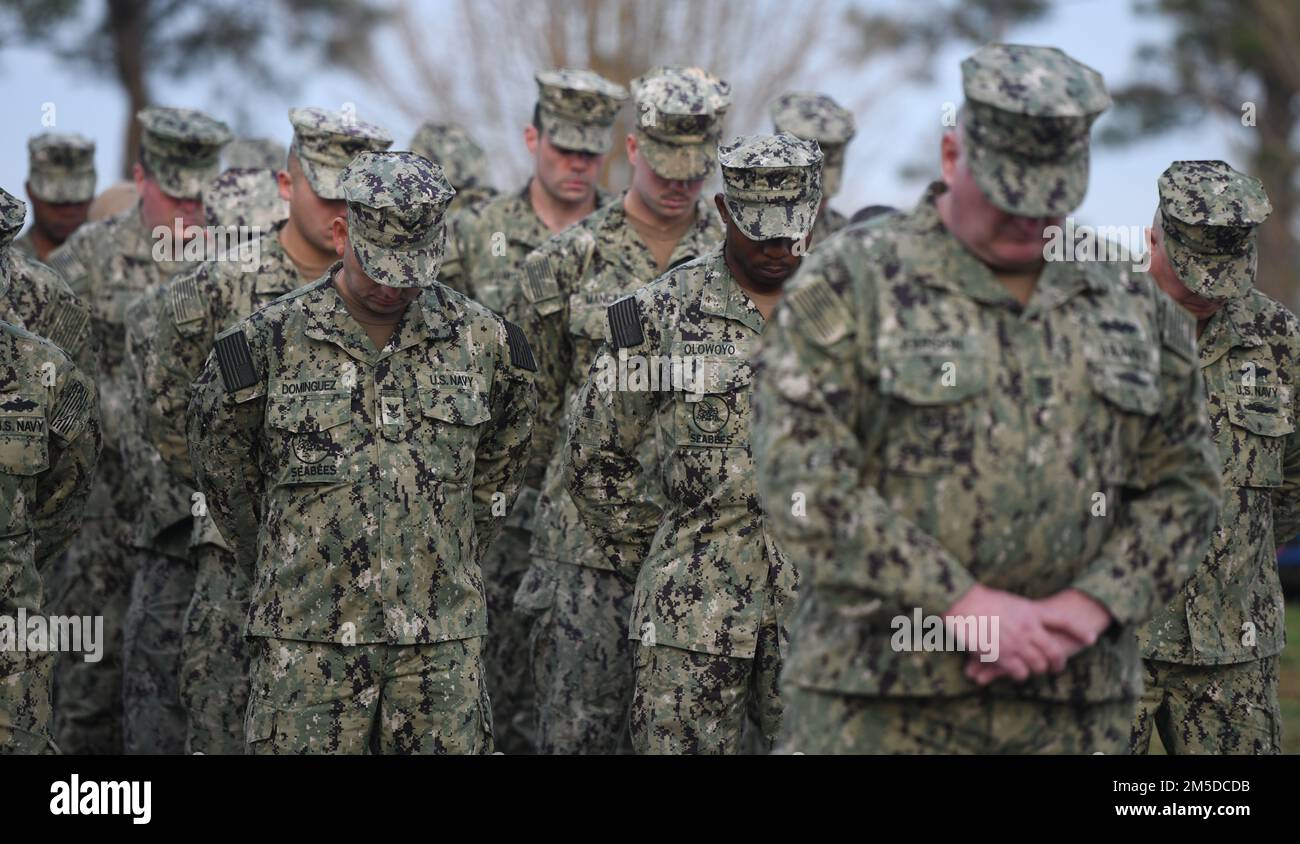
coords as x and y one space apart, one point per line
396 207
772 184
1208 215
577 109
181 149
61 167
1026 124
450 146
255 154
326 141
12 213
245 197
679 120
816 117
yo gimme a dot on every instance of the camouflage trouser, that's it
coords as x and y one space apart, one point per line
321 697
692 702
93 577
505 649
215 655
154 719
25 710
582 662
1220 709
827 722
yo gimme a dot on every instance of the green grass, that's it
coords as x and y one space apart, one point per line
1289 681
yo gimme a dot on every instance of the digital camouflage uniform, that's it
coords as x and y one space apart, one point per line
61 168
49 443
577 110
1211 653
129 562
817 117
580 657
200 304
917 430
462 160
245 198
712 590
254 154
360 487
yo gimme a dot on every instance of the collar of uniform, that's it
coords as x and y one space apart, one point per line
275 267
328 320
721 295
134 239
439 313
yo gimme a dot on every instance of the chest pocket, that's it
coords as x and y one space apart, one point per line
711 461
311 436
455 408
1252 442
1124 374
935 384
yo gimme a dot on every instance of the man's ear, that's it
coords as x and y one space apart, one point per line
949 154
284 182
720 201
339 233
531 139
630 146
137 173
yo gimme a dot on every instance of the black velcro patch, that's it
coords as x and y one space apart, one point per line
186 304
68 326
66 262
625 323
539 280
70 411
236 361
521 354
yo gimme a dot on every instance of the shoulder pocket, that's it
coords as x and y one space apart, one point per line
1252 444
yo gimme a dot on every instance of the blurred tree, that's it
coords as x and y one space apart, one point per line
148 43
760 46
1239 61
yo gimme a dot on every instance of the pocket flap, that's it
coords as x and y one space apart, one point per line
1265 424
458 398
1127 387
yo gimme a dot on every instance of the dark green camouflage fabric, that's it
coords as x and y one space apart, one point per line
817 117
577 109
49 445
1210 709
916 430
325 142
772 185
61 167
181 149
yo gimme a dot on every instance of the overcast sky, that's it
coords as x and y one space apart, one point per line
900 127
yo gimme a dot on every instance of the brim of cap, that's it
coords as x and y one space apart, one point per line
677 162
1212 276
182 182
409 267
1029 188
324 180
768 220
576 137
78 187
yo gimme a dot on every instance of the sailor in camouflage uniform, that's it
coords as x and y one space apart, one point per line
462 161
581 659
817 117
946 424
713 592
1211 653
198 306
138 518
60 185
49 444
359 442
572 132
